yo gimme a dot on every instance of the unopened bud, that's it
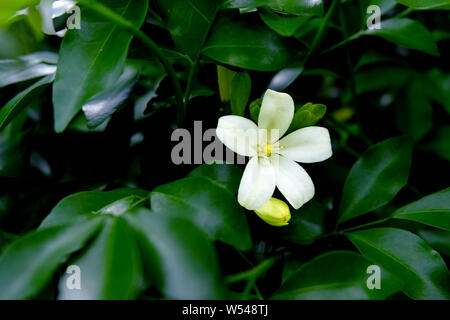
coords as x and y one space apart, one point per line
275 212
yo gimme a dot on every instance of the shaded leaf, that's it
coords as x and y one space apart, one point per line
376 177
241 85
227 174
408 257
432 210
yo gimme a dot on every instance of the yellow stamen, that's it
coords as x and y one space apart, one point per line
268 149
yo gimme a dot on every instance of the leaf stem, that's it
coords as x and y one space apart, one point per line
129 26
253 273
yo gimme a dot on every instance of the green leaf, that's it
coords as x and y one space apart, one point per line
432 210
336 275
440 145
110 267
100 107
91 59
211 206
255 107
81 206
376 177
283 25
439 240
415 115
27 264
375 79
226 174
189 22
308 115
241 43
241 85
27 67
409 258
14 106
179 259
298 7
306 224
426 4
9 7
406 33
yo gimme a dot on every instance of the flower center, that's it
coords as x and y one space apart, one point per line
268 149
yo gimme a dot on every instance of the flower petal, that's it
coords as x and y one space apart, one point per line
257 183
310 144
277 111
239 134
292 181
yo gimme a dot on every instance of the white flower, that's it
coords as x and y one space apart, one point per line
272 162
49 10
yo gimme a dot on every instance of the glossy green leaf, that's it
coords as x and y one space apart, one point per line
298 7
226 174
100 107
415 116
27 67
432 210
439 240
188 22
426 4
375 78
14 106
28 263
376 177
408 257
243 4
179 258
110 267
237 42
308 115
337 275
406 33
255 107
81 206
9 8
283 25
241 85
440 145
209 205
306 224
91 59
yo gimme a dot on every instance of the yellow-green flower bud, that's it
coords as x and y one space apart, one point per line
275 212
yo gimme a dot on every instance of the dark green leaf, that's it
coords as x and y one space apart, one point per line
227 174
188 22
406 33
110 267
252 46
21 100
376 177
27 265
336 275
179 259
241 85
306 224
283 25
81 206
432 210
439 240
409 258
426 4
255 107
298 7
208 204
91 59
440 145
100 107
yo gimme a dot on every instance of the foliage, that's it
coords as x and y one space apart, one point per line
85 150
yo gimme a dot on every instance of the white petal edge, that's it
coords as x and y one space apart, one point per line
277 111
307 145
257 183
238 134
293 181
